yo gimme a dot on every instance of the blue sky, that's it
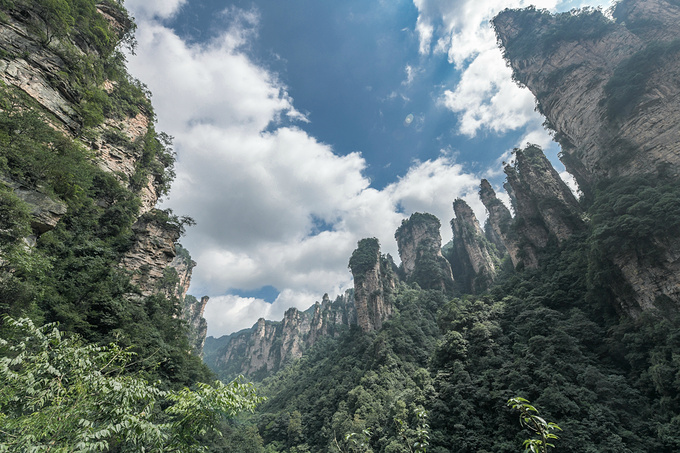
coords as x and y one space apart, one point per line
301 127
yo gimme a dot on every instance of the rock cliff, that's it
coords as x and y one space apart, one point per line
269 345
541 199
419 242
609 89
192 313
476 258
120 141
370 278
545 208
71 78
499 224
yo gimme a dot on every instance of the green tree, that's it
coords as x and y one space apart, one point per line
60 395
528 417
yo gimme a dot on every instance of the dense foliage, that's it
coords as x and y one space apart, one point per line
72 274
364 258
538 32
550 335
64 396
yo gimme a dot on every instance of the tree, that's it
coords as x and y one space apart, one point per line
56 18
529 418
61 395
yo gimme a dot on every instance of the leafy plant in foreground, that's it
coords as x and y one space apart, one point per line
62 396
528 417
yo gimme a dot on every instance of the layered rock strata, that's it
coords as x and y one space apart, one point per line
41 72
419 242
501 223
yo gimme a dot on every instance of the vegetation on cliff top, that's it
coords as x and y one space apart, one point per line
364 258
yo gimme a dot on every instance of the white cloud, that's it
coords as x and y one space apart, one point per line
273 205
232 313
485 98
146 9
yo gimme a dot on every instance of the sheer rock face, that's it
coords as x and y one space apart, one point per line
542 200
369 290
268 345
492 235
475 256
35 71
39 71
184 266
191 308
419 242
152 251
545 208
192 313
611 91
500 220
569 78
654 284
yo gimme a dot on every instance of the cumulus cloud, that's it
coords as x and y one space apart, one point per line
273 205
232 313
486 98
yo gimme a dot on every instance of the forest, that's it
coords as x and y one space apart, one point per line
95 356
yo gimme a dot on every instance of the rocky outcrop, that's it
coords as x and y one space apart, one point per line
46 210
183 266
609 89
269 345
542 200
36 71
40 71
192 313
419 242
501 223
369 285
476 259
545 208
151 253
492 235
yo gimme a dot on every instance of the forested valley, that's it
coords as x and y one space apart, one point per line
556 327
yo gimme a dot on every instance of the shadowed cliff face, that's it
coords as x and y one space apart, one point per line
41 69
500 222
419 242
475 258
545 209
610 89
541 199
369 285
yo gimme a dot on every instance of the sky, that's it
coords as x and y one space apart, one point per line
301 127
